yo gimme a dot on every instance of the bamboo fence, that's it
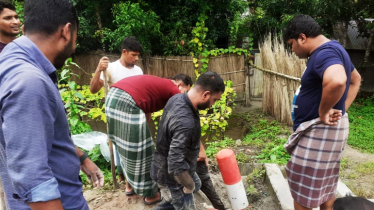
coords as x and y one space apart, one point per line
230 67
282 71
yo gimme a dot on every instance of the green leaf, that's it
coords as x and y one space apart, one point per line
67 105
72 85
63 74
62 90
79 95
273 158
73 122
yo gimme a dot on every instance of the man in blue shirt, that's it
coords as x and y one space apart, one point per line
328 87
39 165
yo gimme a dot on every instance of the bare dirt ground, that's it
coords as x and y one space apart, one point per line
117 200
259 199
357 173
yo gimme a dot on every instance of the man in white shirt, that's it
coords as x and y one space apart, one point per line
120 69
116 71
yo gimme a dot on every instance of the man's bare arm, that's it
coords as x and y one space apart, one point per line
333 84
202 154
53 204
96 83
353 88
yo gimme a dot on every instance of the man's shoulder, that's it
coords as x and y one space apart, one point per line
177 97
179 105
19 67
331 47
137 68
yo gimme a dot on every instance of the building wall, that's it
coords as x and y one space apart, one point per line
357 57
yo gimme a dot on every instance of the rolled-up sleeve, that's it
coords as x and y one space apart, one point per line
28 116
182 136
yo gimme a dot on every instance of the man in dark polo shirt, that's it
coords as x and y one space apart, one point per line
178 142
9 24
127 104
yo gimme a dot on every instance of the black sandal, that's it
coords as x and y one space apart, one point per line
130 193
153 202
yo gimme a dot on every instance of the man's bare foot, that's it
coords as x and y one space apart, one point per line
155 198
121 178
128 188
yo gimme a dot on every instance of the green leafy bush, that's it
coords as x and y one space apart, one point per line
133 21
79 101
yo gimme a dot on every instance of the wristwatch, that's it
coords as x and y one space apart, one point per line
83 157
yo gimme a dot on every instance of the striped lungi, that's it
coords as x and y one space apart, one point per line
128 129
316 151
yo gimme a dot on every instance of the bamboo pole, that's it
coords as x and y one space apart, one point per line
247 87
112 165
2 197
276 73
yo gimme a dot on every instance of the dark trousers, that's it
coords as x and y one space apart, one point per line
175 198
207 185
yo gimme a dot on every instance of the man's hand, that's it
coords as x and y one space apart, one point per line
94 174
188 191
186 180
202 154
103 64
332 117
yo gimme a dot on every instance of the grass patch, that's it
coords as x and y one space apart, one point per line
358 177
267 138
361 118
343 164
365 168
215 146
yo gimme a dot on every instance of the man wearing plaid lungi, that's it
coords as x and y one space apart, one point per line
328 87
127 104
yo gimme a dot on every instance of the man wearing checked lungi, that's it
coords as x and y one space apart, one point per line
127 104
328 87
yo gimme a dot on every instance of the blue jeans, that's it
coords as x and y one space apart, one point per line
175 198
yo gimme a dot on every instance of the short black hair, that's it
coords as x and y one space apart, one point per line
210 81
46 16
8 5
184 78
301 24
131 43
349 203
